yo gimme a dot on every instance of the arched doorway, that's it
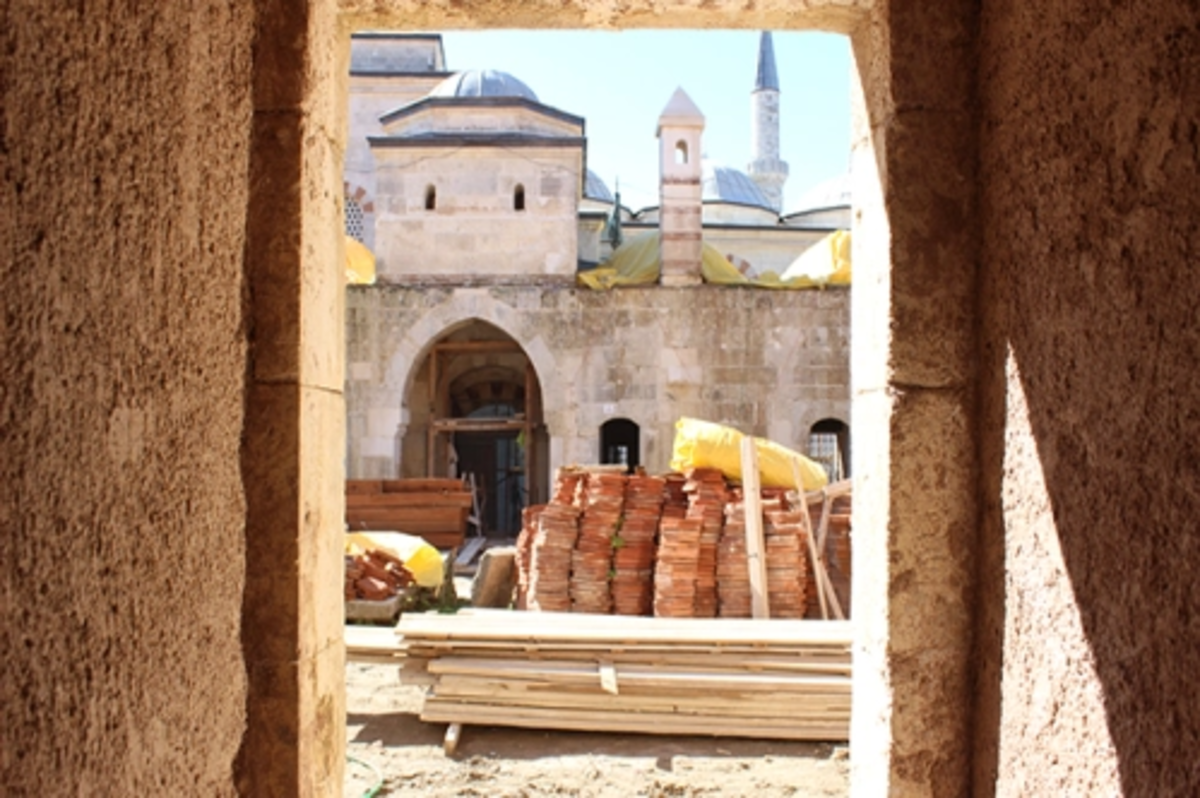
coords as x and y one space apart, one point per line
475 412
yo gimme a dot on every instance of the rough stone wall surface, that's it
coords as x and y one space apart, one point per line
1091 458
123 145
915 253
769 362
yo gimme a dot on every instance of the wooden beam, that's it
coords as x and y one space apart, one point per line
755 546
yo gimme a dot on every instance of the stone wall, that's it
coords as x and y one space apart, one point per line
1090 429
768 362
124 149
474 228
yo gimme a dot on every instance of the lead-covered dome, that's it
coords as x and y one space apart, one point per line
483 83
595 188
726 184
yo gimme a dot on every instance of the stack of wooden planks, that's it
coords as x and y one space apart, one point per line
741 678
435 509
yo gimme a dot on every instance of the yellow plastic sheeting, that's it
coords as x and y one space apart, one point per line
703 444
826 262
637 262
360 263
421 559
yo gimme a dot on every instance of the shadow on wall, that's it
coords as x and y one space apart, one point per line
1092 299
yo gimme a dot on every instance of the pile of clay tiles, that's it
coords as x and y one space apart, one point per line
602 497
636 544
674 547
770 679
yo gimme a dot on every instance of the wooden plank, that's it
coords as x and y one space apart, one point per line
373 644
437 710
363 487
450 741
408 499
423 485
710 705
711 663
814 555
756 558
538 627
631 673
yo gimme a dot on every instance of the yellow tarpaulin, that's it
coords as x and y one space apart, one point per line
826 262
360 263
637 262
703 444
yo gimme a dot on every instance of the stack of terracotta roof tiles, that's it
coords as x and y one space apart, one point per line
707 493
552 547
733 574
603 499
529 517
675 567
839 549
633 560
766 679
786 548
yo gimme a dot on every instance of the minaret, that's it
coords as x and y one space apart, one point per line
766 169
679 128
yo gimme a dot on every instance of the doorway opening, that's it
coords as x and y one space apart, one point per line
620 444
475 413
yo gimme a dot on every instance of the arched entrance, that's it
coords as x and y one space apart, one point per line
475 412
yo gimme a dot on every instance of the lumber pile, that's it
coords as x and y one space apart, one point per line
763 679
435 509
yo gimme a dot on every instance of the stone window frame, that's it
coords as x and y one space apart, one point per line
914 155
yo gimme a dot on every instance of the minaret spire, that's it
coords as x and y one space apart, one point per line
766 168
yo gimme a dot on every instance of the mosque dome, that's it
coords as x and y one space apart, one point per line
595 188
726 184
832 193
483 83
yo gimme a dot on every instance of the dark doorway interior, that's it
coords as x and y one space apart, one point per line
620 443
496 459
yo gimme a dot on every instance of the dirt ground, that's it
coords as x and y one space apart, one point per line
383 731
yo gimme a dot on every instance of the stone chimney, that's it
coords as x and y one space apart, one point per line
679 128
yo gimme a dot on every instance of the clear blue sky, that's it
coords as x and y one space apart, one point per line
620 82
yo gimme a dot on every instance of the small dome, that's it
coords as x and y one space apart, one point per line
726 184
833 193
483 83
594 188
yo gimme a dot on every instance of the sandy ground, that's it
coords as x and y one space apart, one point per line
383 730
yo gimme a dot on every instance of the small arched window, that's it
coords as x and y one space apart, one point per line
681 152
829 445
430 198
519 198
620 443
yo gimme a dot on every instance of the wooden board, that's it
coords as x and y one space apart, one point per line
422 485
448 711
407 500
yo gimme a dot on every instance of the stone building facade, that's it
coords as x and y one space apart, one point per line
484 212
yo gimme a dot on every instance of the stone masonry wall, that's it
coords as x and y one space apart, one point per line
1091 432
768 362
123 150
